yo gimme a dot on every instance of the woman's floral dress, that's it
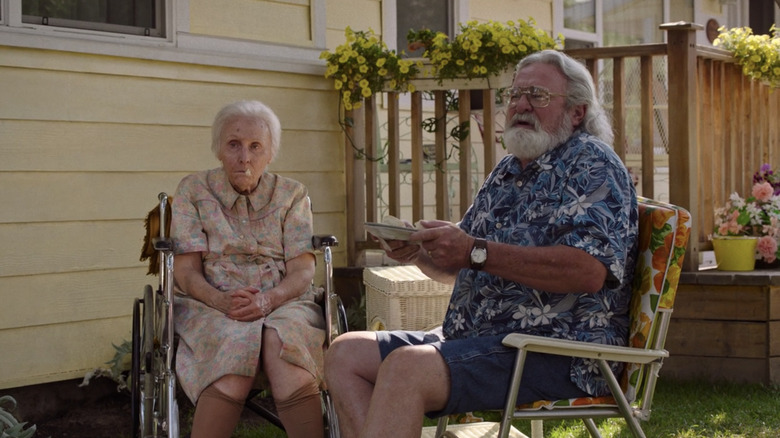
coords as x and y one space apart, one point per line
244 241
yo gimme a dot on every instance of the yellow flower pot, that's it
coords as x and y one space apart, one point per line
735 253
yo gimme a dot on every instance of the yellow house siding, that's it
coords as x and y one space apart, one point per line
503 11
88 142
285 22
357 14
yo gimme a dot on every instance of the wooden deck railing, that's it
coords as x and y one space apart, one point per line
720 126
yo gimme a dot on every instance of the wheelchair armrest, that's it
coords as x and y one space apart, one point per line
319 241
588 350
162 244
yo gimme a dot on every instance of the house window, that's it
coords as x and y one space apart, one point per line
138 17
400 16
580 15
435 15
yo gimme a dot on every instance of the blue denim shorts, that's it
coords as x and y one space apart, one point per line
481 368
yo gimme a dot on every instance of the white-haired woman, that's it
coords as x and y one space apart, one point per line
244 265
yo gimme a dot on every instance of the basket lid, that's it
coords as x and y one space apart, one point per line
401 280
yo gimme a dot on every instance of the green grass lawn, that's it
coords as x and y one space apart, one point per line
680 410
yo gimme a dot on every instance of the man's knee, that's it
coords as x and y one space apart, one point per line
349 346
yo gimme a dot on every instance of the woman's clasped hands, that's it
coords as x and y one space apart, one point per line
249 304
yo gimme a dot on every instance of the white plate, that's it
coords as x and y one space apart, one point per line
389 232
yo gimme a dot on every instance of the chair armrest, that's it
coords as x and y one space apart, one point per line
588 350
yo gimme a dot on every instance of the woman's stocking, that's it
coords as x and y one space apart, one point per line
301 414
216 414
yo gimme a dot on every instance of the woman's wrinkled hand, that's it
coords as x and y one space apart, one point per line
248 304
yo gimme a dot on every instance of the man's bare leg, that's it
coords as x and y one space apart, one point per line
351 366
377 399
411 382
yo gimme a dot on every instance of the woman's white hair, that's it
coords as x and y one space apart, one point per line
247 108
580 91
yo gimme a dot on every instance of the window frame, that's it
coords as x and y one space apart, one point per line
460 11
595 38
178 45
158 31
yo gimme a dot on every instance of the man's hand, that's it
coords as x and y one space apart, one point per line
444 244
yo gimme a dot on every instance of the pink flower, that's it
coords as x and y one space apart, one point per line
767 247
763 191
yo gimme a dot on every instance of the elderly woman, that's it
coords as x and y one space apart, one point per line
244 265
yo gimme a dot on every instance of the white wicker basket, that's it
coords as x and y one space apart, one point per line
403 298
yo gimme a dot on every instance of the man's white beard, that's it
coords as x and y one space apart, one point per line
527 144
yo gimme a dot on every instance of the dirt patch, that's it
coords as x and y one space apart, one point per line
95 411
106 418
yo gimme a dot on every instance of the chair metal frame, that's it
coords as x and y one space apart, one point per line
155 411
649 358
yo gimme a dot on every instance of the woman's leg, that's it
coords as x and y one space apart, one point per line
219 407
295 390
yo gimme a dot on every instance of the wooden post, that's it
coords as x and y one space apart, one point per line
442 194
393 155
355 181
683 135
619 106
648 125
464 117
489 130
371 159
417 157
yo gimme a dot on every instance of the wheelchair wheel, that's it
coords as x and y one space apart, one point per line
135 370
339 322
329 416
141 377
155 411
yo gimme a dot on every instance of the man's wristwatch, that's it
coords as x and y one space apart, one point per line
478 255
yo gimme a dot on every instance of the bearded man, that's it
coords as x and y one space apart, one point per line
546 248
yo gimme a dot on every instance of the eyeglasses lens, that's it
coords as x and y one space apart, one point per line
538 97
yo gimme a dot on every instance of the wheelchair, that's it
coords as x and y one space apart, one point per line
155 411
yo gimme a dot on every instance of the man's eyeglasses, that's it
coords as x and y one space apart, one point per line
538 97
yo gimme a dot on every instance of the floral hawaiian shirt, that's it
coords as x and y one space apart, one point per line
580 195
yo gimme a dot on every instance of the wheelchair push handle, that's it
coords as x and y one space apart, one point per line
163 197
322 240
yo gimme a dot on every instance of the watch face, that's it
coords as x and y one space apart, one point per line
478 255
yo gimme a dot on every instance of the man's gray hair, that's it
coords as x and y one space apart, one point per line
580 91
252 109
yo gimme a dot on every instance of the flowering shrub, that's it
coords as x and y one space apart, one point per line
759 55
758 215
481 49
363 65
